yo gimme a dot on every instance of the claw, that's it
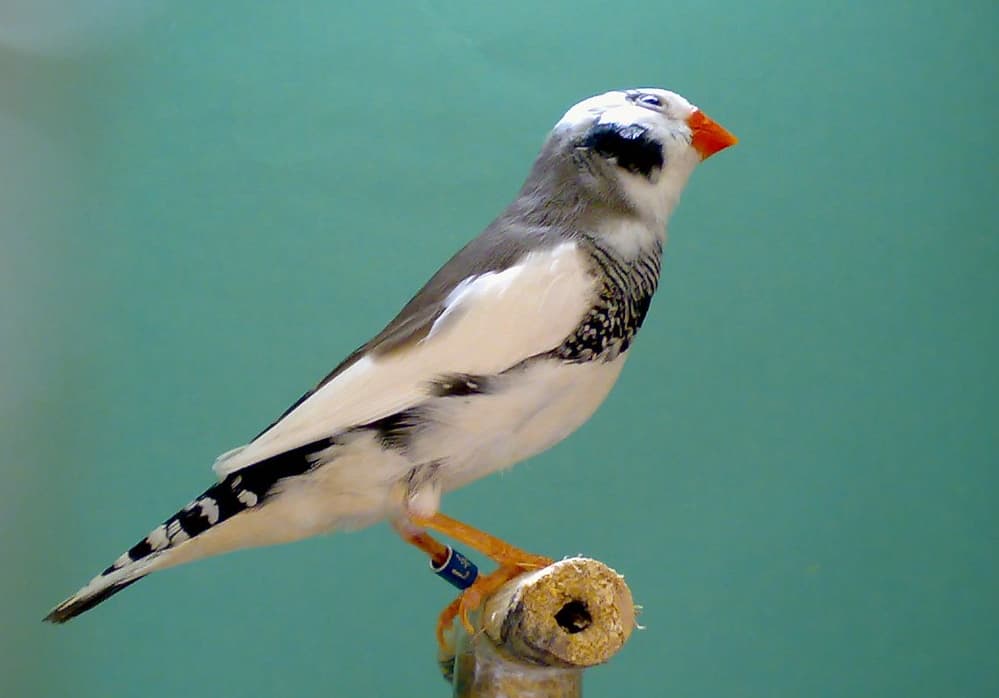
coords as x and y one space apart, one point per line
445 629
468 602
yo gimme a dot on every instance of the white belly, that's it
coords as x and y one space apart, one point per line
533 410
468 438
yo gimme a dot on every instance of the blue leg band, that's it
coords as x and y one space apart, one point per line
456 569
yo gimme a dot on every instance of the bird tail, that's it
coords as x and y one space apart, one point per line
197 530
166 545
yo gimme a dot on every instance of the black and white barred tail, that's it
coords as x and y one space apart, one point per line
240 491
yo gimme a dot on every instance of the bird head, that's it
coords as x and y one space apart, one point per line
638 147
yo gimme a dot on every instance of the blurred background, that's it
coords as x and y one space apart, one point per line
204 206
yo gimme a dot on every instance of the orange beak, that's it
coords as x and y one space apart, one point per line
709 137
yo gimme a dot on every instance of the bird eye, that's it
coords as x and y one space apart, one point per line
649 100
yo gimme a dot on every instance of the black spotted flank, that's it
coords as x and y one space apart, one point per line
459 385
629 144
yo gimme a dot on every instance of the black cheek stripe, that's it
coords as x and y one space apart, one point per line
629 144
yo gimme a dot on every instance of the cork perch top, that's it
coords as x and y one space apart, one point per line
576 612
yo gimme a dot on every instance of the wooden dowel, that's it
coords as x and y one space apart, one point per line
539 631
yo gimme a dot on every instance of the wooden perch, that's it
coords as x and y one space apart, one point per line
540 630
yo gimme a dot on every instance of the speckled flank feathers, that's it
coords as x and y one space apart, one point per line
625 294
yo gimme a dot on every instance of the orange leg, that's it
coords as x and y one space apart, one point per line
436 550
438 553
492 547
512 562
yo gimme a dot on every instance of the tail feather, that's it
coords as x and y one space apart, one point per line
238 492
101 587
74 606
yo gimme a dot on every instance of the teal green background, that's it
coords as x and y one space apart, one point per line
204 206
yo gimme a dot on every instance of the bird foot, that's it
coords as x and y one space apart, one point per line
512 563
474 596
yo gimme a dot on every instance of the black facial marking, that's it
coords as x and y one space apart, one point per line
459 385
629 144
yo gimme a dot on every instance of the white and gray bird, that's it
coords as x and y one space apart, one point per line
507 350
